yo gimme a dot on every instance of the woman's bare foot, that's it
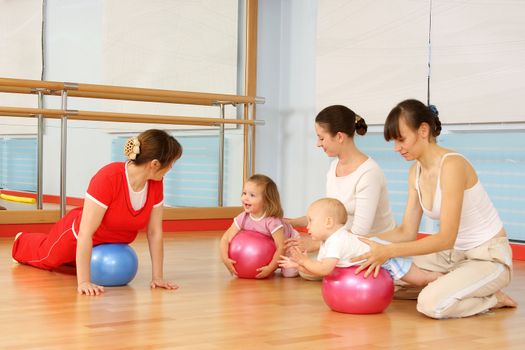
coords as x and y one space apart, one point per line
504 301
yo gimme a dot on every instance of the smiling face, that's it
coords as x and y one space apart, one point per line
252 199
330 144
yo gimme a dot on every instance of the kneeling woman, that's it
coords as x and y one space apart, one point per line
471 248
121 199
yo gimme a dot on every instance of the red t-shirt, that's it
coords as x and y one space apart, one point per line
121 223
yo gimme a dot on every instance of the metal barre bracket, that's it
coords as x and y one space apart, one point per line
224 103
70 112
44 91
70 86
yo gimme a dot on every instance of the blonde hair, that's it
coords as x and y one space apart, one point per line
272 201
334 208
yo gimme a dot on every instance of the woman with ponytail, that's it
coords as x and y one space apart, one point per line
471 248
353 178
122 198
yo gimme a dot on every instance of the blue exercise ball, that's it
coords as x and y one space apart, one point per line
113 264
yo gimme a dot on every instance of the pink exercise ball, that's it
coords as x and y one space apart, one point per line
344 291
251 250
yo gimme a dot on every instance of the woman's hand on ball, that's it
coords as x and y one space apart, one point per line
89 288
160 283
373 259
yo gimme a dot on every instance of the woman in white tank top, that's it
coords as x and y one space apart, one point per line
471 248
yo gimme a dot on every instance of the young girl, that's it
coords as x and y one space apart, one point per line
121 199
262 213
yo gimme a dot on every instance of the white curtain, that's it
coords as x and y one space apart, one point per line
373 54
478 55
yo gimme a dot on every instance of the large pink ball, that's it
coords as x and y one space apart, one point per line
251 250
344 291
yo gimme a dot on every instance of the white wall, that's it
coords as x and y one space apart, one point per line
286 78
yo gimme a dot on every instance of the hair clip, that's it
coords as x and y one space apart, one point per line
433 109
132 148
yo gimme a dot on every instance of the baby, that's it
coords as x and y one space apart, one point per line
326 222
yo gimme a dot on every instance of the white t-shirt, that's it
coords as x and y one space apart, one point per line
344 246
364 194
138 199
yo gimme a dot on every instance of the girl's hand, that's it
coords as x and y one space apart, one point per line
374 258
286 262
89 288
160 283
264 271
230 265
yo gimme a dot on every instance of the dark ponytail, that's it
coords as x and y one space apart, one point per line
338 118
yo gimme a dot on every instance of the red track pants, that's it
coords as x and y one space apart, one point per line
51 250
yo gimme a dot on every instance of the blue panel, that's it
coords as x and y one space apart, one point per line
193 181
394 167
18 164
497 156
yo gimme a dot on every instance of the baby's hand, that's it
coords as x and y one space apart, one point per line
264 271
297 254
286 262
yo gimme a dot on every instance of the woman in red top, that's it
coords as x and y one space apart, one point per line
121 199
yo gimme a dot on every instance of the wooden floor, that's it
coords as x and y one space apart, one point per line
211 310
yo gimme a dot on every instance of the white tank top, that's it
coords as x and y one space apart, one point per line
479 220
138 199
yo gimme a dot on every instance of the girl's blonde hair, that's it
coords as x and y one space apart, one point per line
272 201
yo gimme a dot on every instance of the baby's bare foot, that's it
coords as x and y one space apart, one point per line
434 275
504 300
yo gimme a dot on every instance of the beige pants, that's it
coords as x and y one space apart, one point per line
470 281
